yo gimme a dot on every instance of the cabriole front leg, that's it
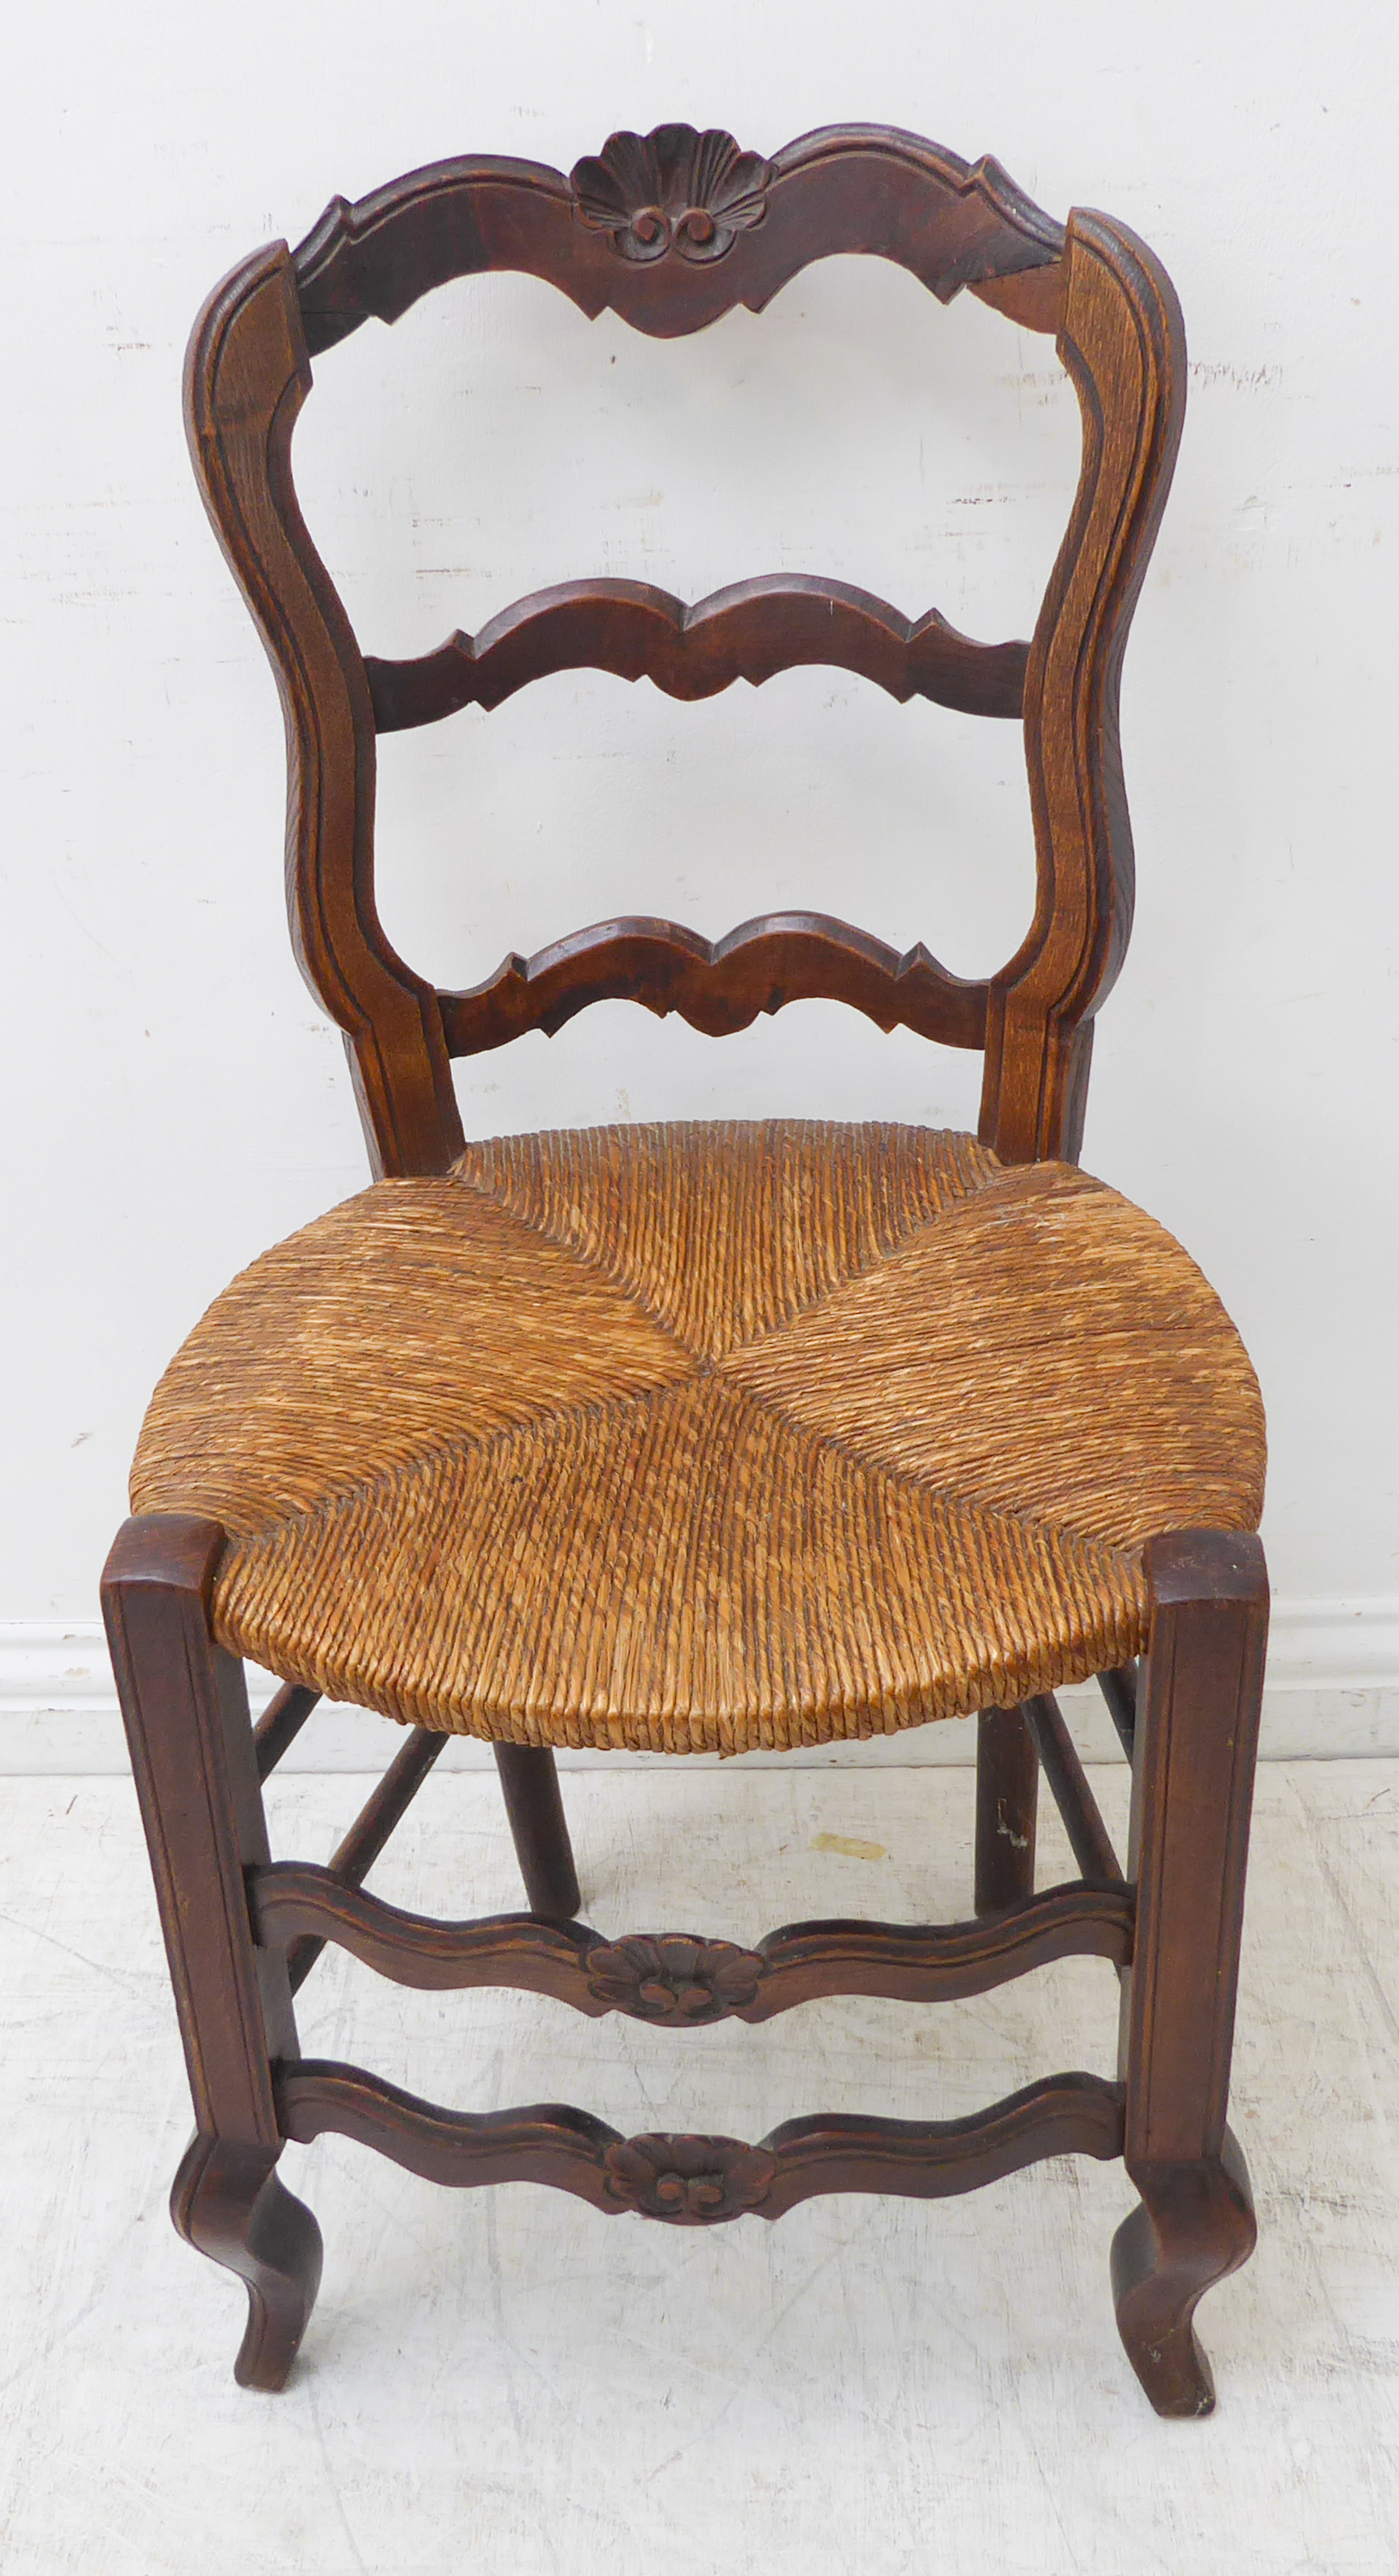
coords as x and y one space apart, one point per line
186 1712
1192 1791
228 2202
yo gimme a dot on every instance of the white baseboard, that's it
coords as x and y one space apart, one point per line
1333 1691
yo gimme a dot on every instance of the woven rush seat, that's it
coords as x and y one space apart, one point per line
700 1437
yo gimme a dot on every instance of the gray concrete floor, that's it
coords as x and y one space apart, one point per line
502 2382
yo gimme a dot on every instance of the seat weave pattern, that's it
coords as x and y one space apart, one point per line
705 1437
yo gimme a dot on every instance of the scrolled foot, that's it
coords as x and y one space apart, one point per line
1194 2225
228 2202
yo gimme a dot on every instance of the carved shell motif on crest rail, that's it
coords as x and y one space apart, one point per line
671 190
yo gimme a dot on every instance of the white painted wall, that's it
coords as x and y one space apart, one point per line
174 1101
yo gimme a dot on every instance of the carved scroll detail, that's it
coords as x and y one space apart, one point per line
719 985
750 631
673 1978
671 189
692 2182
699 2181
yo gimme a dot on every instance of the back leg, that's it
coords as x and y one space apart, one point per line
530 1780
1007 1792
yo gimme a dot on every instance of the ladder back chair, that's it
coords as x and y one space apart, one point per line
721 1435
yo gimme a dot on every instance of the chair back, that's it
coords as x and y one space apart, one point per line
671 230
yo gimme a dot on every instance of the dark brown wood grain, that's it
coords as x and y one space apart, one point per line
1060 2115
246 377
718 985
750 631
1123 343
1089 1839
530 1783
1007 1797
185 1706
710 2179
914 1963
1192 1794
280 1724
1119 1689
385 1807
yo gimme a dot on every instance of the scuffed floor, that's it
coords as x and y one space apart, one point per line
502 2382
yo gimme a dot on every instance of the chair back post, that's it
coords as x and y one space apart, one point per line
1122 342
247 376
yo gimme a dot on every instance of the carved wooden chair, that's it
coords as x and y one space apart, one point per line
714 1435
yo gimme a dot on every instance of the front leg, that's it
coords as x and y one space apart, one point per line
229 2204
186 1711
1193 2225
1192 1792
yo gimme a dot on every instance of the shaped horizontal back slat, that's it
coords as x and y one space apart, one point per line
749 632
720 986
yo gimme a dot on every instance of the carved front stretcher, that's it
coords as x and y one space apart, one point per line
685 1981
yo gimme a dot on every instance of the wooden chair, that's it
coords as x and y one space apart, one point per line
718 1435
